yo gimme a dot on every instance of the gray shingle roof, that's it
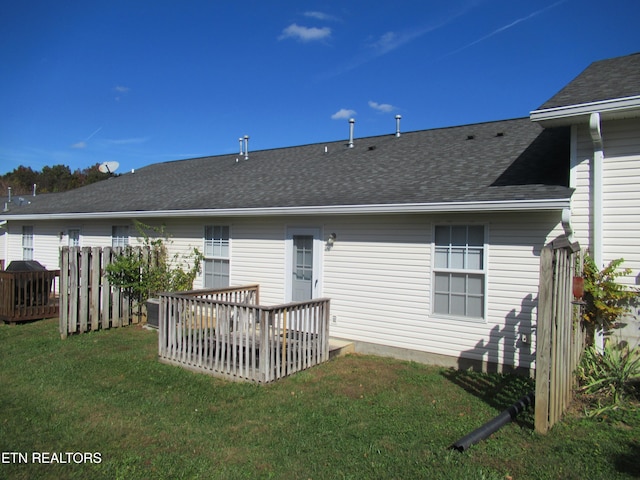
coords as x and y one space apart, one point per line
497 161
603 80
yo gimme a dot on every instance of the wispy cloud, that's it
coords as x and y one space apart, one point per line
83 143
120 91
382 107
305 34
343 113
392 40
320 16
506 27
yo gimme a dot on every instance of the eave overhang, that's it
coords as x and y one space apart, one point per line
445 207
626 107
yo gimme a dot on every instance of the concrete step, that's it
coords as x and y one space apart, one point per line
338 348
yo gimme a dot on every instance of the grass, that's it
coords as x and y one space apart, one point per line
356 417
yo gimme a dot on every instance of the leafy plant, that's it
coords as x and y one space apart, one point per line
148 271
606 299
611 374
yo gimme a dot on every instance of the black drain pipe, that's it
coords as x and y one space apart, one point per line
496 424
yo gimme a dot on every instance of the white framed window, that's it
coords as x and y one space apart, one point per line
216 256
119 235
459 273
74 237
27 242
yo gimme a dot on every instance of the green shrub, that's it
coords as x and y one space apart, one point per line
142 275
606 299
610 375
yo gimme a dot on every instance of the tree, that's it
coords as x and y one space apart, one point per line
57 178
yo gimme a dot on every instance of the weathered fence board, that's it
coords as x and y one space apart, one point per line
226 334
88 301
561 336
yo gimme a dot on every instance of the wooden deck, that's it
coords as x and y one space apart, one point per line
240 340
29 295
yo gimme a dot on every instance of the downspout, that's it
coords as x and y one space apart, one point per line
596 188
595 130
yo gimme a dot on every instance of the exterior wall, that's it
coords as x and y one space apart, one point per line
378 275
620 198
45 243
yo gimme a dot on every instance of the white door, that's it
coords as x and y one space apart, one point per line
303 263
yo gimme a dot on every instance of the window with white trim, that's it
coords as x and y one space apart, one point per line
27 242
459 271
74 237
119 235
216 253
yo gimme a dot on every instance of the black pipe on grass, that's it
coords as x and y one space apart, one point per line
494 425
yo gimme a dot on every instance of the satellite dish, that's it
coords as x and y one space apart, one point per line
108 167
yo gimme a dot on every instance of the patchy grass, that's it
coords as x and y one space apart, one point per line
353 418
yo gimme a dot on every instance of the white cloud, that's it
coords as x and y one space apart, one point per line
319 15
79 145
305 34
342 114
382 107
387 42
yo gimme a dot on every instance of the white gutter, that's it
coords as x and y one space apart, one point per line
604 107
443 207
596 187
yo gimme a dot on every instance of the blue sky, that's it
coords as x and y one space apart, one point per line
140 82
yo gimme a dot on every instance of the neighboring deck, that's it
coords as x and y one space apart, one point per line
28 295
226 333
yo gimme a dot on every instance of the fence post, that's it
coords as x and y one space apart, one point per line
83 286
63 290
94 303
543 341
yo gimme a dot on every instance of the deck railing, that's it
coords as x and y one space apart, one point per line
28 295
242 340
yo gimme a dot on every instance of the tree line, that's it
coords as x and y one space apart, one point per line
57 178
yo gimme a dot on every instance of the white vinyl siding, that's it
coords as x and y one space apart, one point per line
259 257
620 195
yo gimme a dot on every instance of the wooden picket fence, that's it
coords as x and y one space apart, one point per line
561 335
88 302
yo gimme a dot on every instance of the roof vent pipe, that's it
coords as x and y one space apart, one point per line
9 199
246 147
241 150
351 123
398 117
34 189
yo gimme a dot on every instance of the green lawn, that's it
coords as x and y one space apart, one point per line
357 417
